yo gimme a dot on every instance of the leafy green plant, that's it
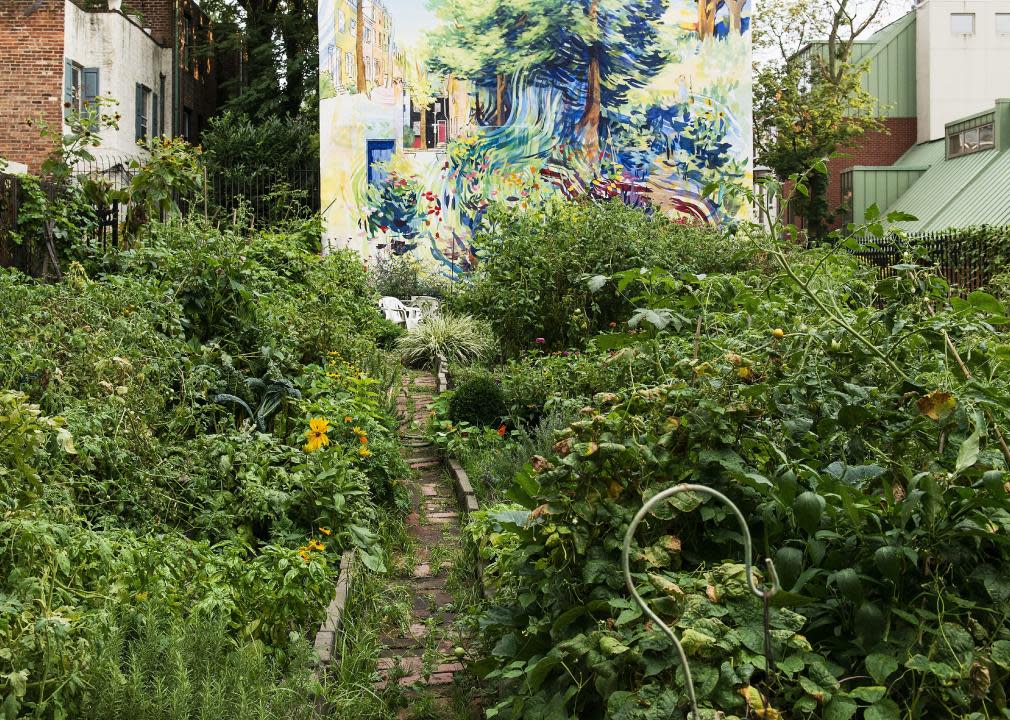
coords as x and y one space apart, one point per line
172 174
531 279
460 338
274 395
478 401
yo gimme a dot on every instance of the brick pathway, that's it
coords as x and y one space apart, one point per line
421 659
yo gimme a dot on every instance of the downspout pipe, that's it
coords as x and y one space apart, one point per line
176 75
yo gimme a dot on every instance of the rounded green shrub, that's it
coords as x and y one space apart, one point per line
478 401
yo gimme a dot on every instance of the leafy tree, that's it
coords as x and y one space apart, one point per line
809 100
279 41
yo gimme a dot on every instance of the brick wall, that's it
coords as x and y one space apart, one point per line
199 81
31 77
874 148
157 15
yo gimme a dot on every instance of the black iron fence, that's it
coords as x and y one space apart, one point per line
967 258
264 198
29 243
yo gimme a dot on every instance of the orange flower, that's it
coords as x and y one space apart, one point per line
363 439
501 431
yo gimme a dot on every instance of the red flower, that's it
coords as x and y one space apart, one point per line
501 431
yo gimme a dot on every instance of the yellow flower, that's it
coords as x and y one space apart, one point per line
348 419
316 434
325 531
358 431
364 452
315 545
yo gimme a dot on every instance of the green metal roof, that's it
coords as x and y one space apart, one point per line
941 197
924 154
985 202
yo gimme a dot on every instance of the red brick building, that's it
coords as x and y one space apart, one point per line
154 57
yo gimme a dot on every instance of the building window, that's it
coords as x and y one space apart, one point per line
155 115
187 121
973 140
80 88
341 21
143 112
962 23
350 65
1003 23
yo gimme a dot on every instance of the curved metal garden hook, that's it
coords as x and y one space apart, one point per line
626 561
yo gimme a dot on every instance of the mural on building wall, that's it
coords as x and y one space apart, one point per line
431 110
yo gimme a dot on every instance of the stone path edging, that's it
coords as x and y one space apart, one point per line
326 639
464 488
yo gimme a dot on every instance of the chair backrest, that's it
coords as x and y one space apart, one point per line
391 303
394 310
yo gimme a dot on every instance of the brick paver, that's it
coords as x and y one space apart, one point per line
421 658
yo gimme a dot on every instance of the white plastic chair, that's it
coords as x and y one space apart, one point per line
396 311
427 304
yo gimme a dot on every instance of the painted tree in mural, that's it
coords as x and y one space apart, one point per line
735 8
613 47
359 51
594 50
487 42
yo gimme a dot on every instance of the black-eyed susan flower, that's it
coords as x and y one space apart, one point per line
316 434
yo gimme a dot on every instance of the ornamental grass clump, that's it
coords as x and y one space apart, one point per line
458 338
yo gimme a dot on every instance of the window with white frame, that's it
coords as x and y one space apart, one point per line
1003 23
341 21
962 23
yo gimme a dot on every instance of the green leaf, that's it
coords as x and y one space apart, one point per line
881 666
870 693
968 453
872 213
612 646
66 441
986 303
596 282
882 710
840 708
898 216
1001 653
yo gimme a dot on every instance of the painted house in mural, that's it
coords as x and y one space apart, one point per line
432 111
150 56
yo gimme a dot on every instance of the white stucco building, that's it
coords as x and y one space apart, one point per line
962 60
110 54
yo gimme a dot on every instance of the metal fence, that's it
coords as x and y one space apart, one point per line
29 245
967 258
264 198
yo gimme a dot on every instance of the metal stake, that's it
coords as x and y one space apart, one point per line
626 562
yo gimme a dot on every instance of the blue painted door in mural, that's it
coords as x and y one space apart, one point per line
379 151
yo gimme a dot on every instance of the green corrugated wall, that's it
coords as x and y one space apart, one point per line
880 185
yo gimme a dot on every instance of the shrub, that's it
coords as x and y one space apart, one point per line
402 276
459 338
479 402
533 277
